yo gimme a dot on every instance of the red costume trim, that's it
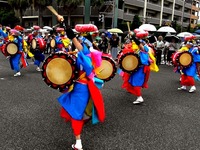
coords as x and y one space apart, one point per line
97 98
187 80
135 90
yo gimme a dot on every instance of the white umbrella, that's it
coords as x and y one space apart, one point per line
148 27
166 29
47 28
183 34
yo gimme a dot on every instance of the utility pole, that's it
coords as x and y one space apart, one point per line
145 12
87 12
182 16
54 18
161 12
115 13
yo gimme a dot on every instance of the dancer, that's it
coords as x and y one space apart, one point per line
138 79
38 54
15 59
188 73
62 42
75 102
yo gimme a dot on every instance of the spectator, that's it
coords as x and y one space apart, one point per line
103 45
172 48
114 43
159 45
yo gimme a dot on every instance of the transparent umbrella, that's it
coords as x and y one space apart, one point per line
166 29
184 34
148 27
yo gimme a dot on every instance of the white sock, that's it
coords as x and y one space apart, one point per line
139 97
78 144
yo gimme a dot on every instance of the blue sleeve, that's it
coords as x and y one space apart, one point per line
3 34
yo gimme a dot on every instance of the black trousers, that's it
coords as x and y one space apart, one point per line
158 56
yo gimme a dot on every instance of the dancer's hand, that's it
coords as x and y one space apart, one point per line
60 18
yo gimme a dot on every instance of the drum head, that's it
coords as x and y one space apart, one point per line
12 48
52 43
107 69
34 44
185 59
59 71
129 62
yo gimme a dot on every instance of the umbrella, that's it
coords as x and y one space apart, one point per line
47 28
166 29
197 31
115 30
183 34
148 27
170 37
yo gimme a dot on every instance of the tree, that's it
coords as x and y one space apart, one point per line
69 6
97 3
136 22
40 5
7 18
174 24
188 28
19 7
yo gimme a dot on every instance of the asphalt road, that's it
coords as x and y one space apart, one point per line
168 120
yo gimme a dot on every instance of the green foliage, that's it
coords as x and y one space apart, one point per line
97 2
40 4
136 22
69 5
178 28
7 18
188 28
198 26
19 4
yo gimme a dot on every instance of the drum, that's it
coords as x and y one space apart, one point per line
108 68
52 43
198 68
128 60
183 59
11 48
59 71
38 43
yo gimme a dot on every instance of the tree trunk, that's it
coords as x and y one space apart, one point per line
20 17
69 19
40 21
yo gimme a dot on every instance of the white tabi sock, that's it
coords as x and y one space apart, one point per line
78 144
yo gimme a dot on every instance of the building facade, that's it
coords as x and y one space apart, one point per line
184 12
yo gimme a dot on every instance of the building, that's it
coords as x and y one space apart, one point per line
184 12
114 12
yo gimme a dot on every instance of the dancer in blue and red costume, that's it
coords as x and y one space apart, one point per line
75 102
15 59
188 73
62 41
38 55
135 81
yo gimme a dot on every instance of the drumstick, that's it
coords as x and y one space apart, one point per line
52 10
128 25
59 17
